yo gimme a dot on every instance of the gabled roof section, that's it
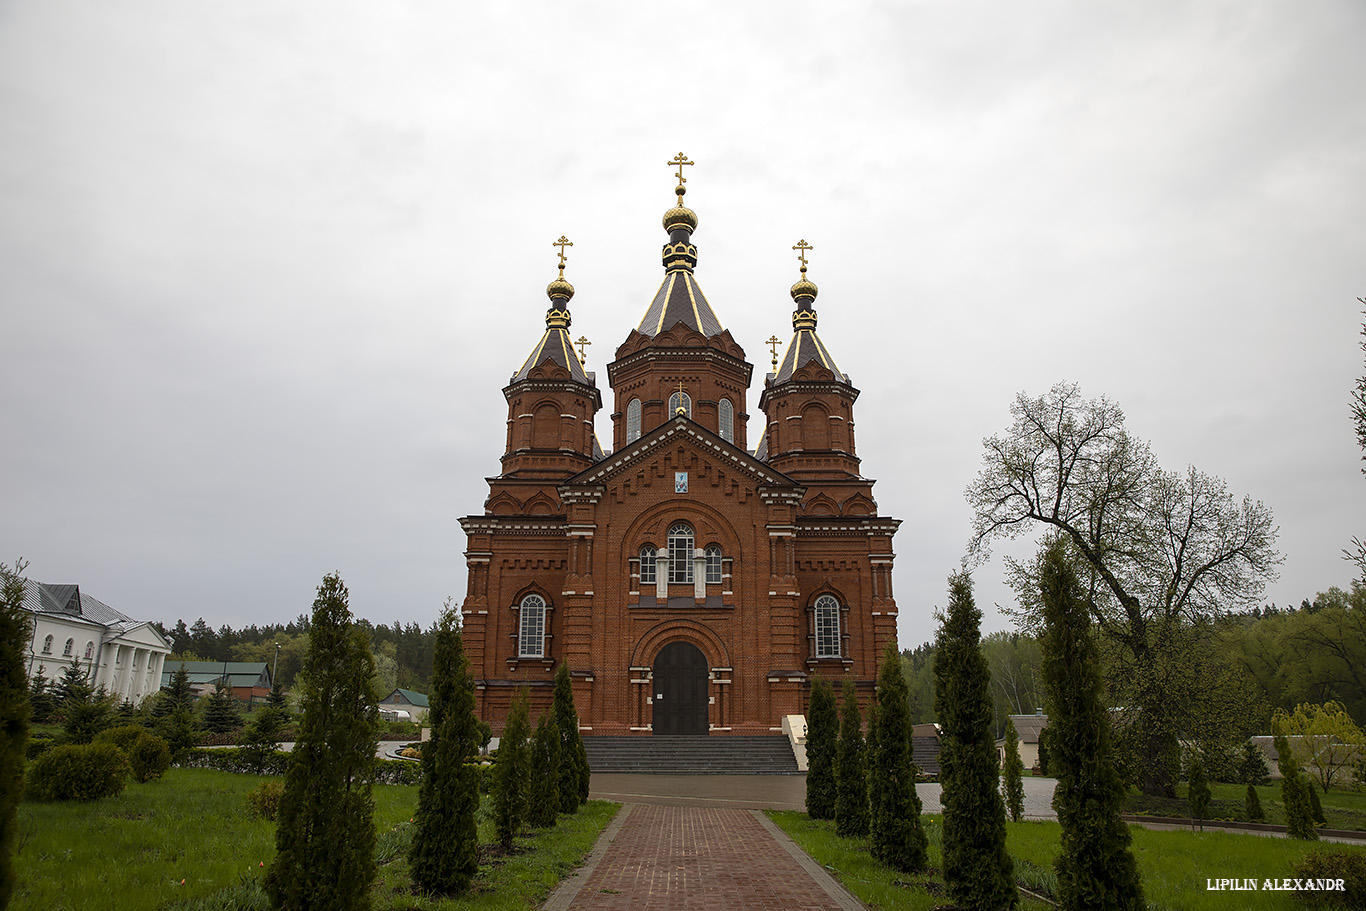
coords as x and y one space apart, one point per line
68 602
666 434
680 300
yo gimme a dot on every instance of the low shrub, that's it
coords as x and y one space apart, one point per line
1346 864
150 756
263 802
234 760
38 744
72 771
387 771
122 736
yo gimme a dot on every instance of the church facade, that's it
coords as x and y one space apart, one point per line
698 575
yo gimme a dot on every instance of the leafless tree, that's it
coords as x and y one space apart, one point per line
1164 550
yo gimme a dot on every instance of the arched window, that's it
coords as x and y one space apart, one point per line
725 416
713 564
89 650
647 564
531 642
680 400
70 644
827 627
633 421
680 553
47 645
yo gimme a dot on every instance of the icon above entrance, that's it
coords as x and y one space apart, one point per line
680 690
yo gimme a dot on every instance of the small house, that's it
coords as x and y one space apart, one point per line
415 704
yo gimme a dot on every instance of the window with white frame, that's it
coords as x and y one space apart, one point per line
70 644
647 564
680 553
47 645
827 627
531 642
713 564
89 650
680 400
633 421
725 414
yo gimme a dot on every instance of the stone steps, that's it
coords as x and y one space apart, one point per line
691 755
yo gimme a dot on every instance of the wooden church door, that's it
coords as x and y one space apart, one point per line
680 690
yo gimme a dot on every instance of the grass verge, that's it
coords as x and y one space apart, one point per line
1174 865
186 842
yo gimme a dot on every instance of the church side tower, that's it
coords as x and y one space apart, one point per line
680 356
520 550
843 548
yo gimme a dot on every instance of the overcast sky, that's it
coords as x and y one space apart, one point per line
265 267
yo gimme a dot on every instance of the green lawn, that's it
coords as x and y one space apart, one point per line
1174 865
131 852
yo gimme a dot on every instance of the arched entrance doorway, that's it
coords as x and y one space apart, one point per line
680 690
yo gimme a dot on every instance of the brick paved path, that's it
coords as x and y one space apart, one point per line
684 858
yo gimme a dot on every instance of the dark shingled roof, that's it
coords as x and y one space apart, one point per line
66 600
555 347
805 347
680 300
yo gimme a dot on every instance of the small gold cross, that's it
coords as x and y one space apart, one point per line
803 246
681 409
566 242
583 343
680 159
773 343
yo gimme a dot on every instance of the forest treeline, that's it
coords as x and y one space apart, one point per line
403 651
1273 658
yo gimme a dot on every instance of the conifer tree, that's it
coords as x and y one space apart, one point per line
977 869
1095 867
575 775
822 732
898 838
1197 792
445 853
544 808
512 772
262 736
325 839
1299 820
221 713
15 634
1315 805
1254 805
851 795
85 711
40 697
1013 783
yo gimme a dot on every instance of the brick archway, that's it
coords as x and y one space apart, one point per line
709 673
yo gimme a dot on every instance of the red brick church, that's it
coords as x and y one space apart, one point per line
693 580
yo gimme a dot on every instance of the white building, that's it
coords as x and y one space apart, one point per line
123 655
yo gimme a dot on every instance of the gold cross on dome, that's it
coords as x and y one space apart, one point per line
562 243
773 343
803 246
583 343
680 159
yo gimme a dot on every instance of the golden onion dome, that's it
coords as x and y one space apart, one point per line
680 217
804 291
559 288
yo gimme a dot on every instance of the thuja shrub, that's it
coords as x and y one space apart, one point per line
79 771
150 756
